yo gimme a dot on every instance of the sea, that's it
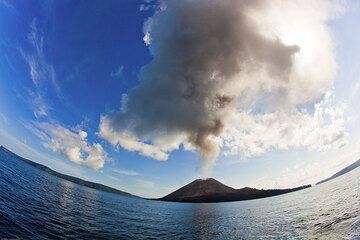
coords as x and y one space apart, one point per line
37 205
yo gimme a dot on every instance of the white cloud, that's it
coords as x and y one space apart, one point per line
41 72
3 119
149 5
6 4
144 7
295 176
256 134
125 172
147 39
25 150
38 68
355 90
304 173
150 189
118 73
115 178
72 144
146 29
145 184
129 142
38 104
158 150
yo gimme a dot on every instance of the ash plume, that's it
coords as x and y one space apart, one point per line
213 59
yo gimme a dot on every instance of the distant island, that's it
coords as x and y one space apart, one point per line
76 180
211 190
342 171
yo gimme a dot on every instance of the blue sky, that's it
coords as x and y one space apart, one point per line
64 64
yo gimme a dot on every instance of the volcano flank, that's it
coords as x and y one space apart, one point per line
211 190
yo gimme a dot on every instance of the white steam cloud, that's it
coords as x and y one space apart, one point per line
218 66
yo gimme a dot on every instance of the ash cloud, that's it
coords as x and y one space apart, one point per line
214 59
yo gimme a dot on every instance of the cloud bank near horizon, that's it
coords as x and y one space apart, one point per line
71 143
244 77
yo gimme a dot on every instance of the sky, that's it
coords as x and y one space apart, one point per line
146 96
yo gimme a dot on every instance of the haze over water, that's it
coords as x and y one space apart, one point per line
36 205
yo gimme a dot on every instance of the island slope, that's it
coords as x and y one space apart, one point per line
342 171
76 180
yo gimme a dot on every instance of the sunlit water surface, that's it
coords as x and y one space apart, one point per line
36 205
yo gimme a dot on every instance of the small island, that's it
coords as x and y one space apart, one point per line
211 190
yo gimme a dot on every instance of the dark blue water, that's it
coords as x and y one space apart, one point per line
36 205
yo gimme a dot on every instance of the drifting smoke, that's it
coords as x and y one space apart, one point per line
213 59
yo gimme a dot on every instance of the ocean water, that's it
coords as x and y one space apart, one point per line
36 205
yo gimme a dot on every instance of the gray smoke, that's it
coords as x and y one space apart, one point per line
210 59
